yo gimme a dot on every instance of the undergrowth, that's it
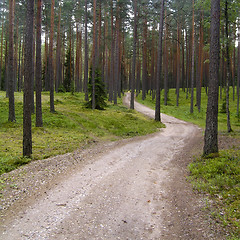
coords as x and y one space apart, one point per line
219 178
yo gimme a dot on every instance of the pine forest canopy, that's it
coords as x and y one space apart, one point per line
117 37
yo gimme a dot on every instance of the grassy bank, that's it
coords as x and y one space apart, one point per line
199 118
71 127
218 178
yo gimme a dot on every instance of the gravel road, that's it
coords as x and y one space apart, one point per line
136 189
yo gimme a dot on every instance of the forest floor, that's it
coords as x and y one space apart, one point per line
129 189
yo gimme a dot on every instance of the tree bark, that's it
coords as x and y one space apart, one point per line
39 122
1 58
238 71
159 65
51 69
211 132
28 75
134 55
94 52
11 88
86 55
193 56
229 129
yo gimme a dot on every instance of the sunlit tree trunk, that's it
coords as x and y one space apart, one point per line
238 69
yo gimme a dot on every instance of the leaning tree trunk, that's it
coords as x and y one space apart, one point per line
28 76
159 65
211 132
11 115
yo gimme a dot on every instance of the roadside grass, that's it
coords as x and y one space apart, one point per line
217 177
71 127
199 118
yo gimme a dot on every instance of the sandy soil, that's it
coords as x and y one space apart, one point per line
131 189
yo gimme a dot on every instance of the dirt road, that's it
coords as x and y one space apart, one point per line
136 190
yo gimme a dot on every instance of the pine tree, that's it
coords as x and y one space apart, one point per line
100 92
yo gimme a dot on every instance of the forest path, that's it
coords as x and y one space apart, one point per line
138 190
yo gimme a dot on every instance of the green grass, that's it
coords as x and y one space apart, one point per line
218 178
71 127
183 110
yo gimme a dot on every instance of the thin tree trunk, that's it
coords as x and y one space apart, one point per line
178 64
39 122
51 69
193 55
86 55
134 55
58 79
1 58
112 57
229 129
28 75
11 115
211 132
238 72
159 64
144 58
94 52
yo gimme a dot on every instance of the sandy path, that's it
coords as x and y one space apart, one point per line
125 193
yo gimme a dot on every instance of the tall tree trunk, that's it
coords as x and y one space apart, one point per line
58 79
200 64
86 55
1 58
229 129
134 55
112 57
211 132
116 55
193 55
159 64
178 64
144 58
28 75
77 64
94 52
51 69
166 62
39 122
238 69
11 88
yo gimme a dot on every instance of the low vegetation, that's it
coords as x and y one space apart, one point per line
71 127
218 177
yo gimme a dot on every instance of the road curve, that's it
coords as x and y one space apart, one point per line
122 194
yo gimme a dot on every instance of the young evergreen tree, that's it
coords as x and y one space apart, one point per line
100 92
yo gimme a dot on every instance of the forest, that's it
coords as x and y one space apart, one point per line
178 57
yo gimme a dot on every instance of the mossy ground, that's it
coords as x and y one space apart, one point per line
71 127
